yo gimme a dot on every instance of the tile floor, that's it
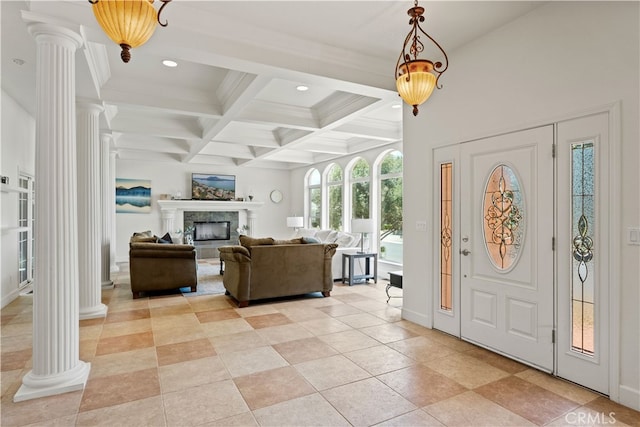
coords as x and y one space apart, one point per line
345 360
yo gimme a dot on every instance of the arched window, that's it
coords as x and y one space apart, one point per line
334 192
314 194
360 189
391 207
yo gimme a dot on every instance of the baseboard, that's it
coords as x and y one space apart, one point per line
629 397
7 299
415 317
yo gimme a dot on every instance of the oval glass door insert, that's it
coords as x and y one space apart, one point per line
504 217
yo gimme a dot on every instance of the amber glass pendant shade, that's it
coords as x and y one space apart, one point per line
416 85
129 23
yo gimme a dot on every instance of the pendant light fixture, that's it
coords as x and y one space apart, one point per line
416 78
129 23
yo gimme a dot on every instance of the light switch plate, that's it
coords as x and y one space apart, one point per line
633 236
421 225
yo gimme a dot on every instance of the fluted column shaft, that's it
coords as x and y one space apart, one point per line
105 214
56 364
89 210
112 209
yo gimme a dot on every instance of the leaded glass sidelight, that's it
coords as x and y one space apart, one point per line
446 197
504 215
582 229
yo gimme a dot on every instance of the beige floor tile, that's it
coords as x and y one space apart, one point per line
166 300
91 332
349 341
558 386
216 315
284 333
184 351
331 371
38 410
421 385
144 412
255 310
246 362
8 380
271 387
312 410
12 360
470 409
361 320
496 360
387 333
127 316
101 392
267 320
15 343
304 350
369 305
354 402
421 349
324 326
123 362
299 313
203 404
192 373
466 370
412 419
185 320
245 419
68 421
622 413
379 360
124 343
584 416
236 342
210 302
340 309
226 327
126 328
166 336
389 314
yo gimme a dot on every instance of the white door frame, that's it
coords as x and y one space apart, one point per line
614 227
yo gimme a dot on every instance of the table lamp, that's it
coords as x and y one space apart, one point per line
362 226
295 222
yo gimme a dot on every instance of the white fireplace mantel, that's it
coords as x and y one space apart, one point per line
169 208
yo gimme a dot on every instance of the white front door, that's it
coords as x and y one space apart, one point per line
584 247
506 231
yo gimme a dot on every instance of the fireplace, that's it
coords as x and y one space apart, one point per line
211 230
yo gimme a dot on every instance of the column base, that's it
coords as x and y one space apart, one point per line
94 312
107 284
35 386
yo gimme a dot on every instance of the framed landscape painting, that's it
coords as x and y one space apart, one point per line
133 195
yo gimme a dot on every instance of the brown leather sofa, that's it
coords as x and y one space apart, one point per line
159 267
264 268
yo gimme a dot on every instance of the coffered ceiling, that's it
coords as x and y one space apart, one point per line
232 99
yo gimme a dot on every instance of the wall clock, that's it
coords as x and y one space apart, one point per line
276 196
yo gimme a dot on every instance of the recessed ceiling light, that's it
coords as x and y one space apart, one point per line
169 63
396 105
302 88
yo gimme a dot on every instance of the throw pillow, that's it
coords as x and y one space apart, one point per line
306 232
247 241
310 240
344 240
167 238
147 233
144 239
323 234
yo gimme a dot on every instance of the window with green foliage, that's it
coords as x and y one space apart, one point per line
391 207
334 187
315 198
360 192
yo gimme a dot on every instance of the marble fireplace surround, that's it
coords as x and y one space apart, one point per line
172 212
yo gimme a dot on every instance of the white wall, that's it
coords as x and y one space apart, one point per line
560 59
169 178
17 154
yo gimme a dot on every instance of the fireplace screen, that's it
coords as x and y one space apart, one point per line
216 230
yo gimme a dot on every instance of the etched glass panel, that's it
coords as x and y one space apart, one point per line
504 217
446 197
583 220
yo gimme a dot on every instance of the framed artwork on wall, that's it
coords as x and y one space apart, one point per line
133 195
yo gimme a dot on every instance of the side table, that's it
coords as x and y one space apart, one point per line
352 278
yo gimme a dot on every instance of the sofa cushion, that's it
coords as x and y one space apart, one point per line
324 235
247 241
310 240
143 239
345 240
294 241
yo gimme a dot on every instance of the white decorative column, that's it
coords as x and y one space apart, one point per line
112 209
251 221
106 188
89 209
56 365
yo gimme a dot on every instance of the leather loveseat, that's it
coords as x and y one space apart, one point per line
161 266
266 268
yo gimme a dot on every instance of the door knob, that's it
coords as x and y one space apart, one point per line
465 252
